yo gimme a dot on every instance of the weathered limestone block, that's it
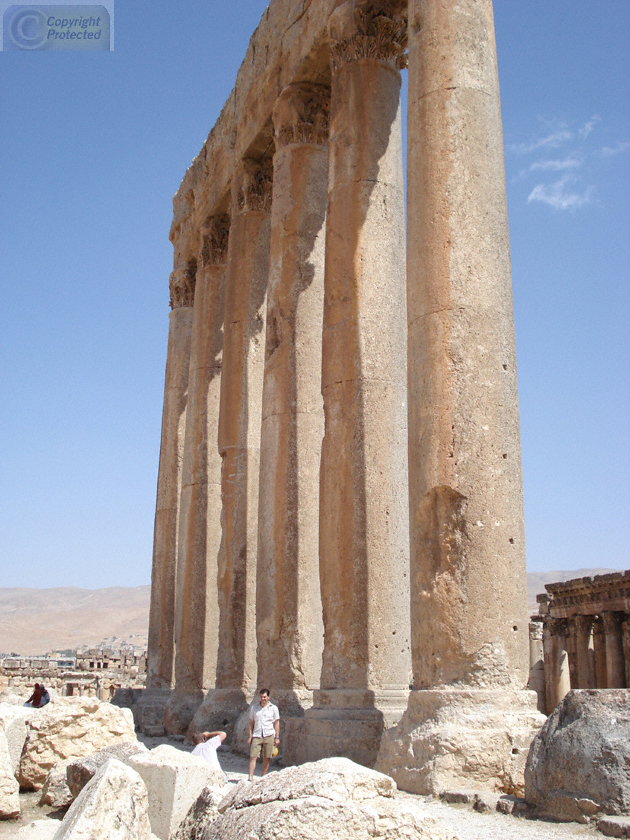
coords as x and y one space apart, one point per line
56 792
614 826
454 739
13 721
315 817
174 780
328 798
203 812
113 805
9 788
69 728
79 771
580 761
337 779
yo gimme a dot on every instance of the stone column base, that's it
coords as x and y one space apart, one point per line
468 738
220 710
342 723
180 710
148 712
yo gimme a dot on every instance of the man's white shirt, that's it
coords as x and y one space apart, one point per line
263 717
208 750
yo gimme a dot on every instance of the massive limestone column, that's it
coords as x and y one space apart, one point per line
615 665
197 608
363 506
468 607
288 604
161 648
239 441
585 652
557 672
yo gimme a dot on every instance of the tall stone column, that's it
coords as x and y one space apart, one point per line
197 609
585 651
364 568
239 441
599 649
469 622
288 604
161 647
557 675
615 665
537 663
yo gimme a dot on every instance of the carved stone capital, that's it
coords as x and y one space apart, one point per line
181 285
254 185
556 627
214 241
584 623
612 621
300 115
368 29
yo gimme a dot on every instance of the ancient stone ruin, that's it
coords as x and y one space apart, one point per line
581 638
339 510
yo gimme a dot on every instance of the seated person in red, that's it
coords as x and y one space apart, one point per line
36 698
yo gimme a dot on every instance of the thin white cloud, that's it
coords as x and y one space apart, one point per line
589 126
609 151
551 141
558 196
556 165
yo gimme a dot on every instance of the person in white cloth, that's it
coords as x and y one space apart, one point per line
207 743
264 732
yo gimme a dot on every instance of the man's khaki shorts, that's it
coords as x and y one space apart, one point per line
266 744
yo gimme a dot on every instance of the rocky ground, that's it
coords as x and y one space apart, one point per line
465 822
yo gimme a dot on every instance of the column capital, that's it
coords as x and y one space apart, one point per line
181 286
374 29
253 185
214 240
556 627
584 623
536 630
612 621
301 113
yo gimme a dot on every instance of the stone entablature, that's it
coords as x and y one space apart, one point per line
584 625
587 596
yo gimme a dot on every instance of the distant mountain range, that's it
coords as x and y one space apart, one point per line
35 621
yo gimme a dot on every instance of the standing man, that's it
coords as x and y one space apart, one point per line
264 732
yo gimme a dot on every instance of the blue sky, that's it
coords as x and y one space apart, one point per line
92 148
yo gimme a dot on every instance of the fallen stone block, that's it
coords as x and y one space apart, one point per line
9 788
56 792
114 804
579 763
337 779
507 804
79 771
203 812
317 817
614 826
458 797
69 728
13 722
485 801
174 779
